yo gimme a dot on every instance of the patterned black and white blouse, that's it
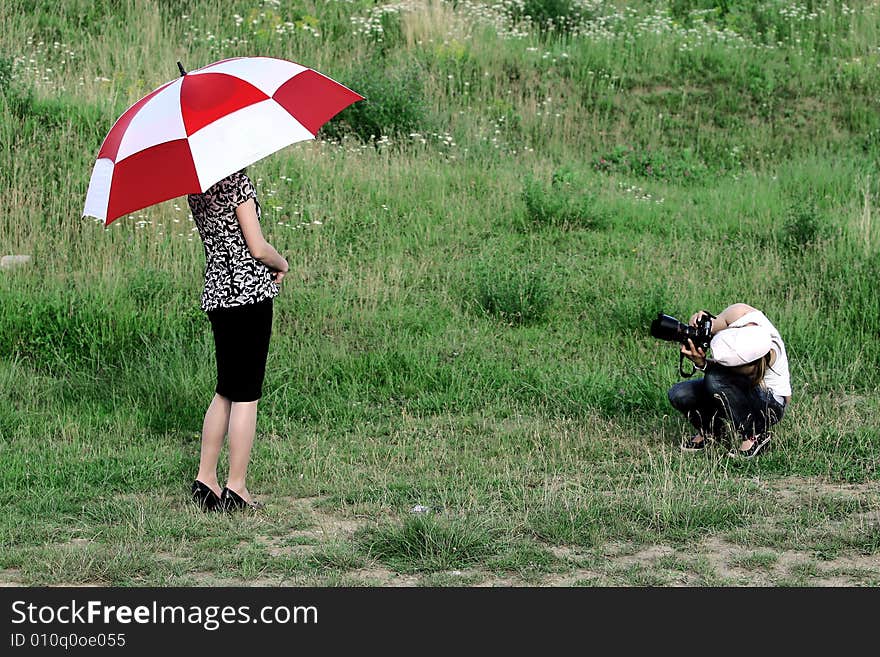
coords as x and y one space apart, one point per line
233 277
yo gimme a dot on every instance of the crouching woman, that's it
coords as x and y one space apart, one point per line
745 383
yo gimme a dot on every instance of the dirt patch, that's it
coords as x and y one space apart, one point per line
382 577
322 528
721 557
797 487
322 525
648 555
573 578
715 561
10 577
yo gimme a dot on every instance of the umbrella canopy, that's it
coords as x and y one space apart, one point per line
194 131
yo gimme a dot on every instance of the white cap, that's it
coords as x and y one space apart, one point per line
741 345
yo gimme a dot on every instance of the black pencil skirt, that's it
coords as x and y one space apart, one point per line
241 344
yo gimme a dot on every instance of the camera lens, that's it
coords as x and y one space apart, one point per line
667 328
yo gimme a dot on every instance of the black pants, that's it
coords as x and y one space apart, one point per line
241 344
723 395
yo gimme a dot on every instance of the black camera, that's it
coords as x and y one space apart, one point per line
670 329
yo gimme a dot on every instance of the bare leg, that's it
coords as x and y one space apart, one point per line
242 427
213 433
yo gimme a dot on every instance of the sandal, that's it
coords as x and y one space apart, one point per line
695 443
760 443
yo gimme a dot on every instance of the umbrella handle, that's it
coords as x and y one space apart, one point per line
180 66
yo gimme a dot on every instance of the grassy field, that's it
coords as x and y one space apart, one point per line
476 252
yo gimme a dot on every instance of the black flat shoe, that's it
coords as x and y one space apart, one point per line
205 497
232 501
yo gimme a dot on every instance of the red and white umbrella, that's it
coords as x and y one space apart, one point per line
194 131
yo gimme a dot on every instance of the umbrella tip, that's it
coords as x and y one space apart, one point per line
180 66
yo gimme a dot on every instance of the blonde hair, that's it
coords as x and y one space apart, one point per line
756 370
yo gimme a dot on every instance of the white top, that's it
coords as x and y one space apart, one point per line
777 378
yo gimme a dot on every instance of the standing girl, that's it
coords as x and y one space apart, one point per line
242 274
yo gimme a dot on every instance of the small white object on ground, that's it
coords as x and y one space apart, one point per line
10 261
418 508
